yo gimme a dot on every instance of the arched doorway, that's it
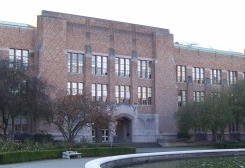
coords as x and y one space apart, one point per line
123 130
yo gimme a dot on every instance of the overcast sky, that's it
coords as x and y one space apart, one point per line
218 24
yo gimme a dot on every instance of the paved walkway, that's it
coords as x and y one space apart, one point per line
80 163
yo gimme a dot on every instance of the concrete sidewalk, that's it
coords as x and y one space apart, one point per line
80 163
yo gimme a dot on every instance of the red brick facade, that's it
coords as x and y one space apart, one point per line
57 34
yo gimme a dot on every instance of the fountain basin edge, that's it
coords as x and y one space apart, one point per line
130 159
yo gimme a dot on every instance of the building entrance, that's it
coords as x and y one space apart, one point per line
123 130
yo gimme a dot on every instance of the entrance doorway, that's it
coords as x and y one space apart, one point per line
123 130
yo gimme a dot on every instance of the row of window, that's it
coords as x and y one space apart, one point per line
18 58
122 92
100 65
198 75
198 96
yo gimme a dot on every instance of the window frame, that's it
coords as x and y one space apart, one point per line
99 65
181 73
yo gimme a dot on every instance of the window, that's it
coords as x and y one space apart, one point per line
18 58
99 65
181 73
198 96
105 135
74 88
215 77
144 69
20 124
74 63
122 67
99 92
215 95
231 77
198 75
234 126
144 95
93 135
181 98
122 94
243 75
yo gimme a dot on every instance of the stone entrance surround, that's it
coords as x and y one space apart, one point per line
123 160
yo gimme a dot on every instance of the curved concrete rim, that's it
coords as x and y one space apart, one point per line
121 160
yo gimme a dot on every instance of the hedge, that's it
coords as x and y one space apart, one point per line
24 156
230 145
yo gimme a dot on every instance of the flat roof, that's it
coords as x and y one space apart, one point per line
14 24
211 50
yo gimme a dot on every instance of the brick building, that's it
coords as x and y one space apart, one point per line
139 68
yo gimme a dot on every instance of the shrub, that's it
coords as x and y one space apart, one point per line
23 156
230 145
39 137
21 136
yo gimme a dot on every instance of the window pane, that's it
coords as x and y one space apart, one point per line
122 94
127 94
93 64
99 92
68 88
127 66
104 65
117 93
144 95
143 69
80 63
80 88
139 95
122 67
93 92
117 66
104 93
99 65
74 63
149 69
149 92
74 88
139 69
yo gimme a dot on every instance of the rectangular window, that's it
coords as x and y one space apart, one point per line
99 65
198 75
234 126
122 67
18 58
215 95
99 92
105 135
93 135
74 88
181 73
181 98
243 75
215 77
122 94
144 69
232 77
149 94
144 95
74 62
198 96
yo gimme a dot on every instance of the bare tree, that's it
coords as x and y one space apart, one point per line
71 113
20 95
12 91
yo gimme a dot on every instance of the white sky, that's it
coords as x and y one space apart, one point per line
218 24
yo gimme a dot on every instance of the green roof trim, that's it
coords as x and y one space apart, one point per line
15 24
211 50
